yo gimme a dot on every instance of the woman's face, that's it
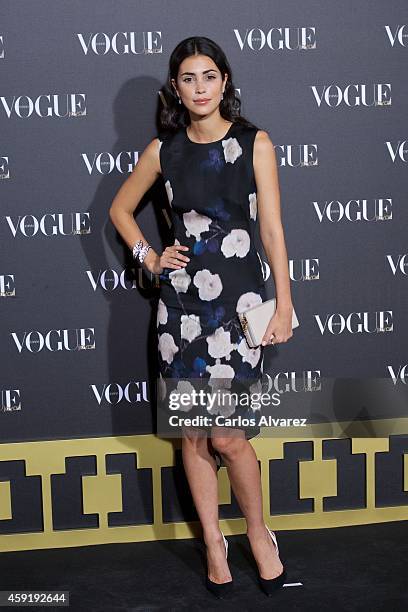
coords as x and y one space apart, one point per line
199 79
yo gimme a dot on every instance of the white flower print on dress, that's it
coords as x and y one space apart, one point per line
236 243
180 280
167 347
247 300
232 149
196 224
162 314
224 403
252 205
190 327
219 344
221 375
169 191
250 355
185 387
209 285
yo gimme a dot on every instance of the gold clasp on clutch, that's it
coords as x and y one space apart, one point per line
244 323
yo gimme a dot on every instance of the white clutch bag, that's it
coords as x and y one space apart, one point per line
255 320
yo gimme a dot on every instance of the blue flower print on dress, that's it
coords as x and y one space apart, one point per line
199 366
216 208
215 161
212 227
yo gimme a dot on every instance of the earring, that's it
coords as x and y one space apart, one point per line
179 99
222 95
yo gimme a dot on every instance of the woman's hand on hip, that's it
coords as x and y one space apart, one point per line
170 258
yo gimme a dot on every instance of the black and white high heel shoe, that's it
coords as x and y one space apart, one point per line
220 590
269 586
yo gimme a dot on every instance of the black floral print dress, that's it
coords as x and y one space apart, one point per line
212 193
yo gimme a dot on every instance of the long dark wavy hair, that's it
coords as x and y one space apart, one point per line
174 115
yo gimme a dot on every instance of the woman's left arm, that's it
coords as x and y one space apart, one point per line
272 236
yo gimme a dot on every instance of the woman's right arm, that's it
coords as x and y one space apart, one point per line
143 176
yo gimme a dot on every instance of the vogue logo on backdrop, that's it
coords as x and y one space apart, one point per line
110 280
50 224
356 322
105 163
45 105
285 382
276 39
10 400
7 285
121 43
1 47
400 375
398 150
304 270
4 168
401 264
115 393
378 209
378 94
297 155
56 340
400 34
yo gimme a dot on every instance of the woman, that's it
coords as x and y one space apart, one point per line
221 178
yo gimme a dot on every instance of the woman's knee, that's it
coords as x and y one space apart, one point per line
194 437
228 445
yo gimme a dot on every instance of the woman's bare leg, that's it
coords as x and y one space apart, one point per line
201 472
243 471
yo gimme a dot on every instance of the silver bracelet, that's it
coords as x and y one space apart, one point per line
139 251
137 248
143 252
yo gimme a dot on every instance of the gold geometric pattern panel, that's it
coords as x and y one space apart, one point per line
63 493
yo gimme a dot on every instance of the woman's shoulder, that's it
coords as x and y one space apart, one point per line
257 138
255 132
262 139
262 135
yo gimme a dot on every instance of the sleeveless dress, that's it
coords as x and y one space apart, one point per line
212 193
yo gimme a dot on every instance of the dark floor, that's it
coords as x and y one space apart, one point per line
347 568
